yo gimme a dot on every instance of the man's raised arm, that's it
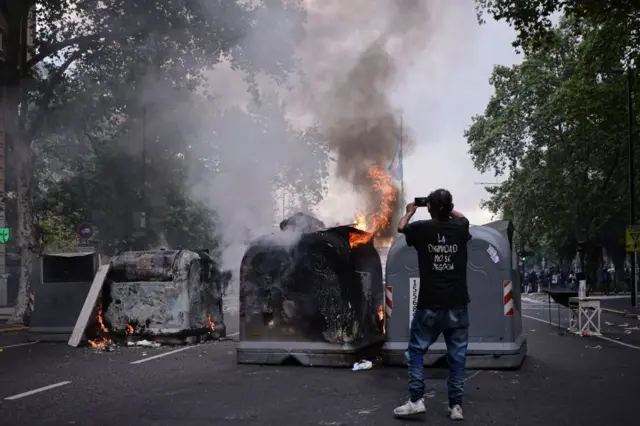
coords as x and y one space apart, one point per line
411 210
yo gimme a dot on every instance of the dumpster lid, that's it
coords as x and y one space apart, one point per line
302 222
503 226
70 254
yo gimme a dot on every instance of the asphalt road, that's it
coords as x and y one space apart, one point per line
566 380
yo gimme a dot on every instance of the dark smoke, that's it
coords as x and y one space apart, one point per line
352 72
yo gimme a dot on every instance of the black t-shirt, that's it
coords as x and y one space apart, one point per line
442 257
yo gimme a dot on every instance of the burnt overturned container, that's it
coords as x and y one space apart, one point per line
313 297
164 293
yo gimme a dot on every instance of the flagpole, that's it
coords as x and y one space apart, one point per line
401 165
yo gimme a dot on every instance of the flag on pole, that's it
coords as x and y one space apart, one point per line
396 164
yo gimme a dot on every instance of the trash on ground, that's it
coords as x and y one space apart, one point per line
624 325
144 344
594 347
362 365
609 323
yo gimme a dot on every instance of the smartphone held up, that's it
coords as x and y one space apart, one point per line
421 201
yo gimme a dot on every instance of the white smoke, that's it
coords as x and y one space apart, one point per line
336 36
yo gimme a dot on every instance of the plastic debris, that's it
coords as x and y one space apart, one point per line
362 365
594 347
609 323
144 344
624 325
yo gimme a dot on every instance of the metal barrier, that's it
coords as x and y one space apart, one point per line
310 298
495 331
59 294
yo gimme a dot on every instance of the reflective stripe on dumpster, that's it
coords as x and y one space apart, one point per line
388 301
508 298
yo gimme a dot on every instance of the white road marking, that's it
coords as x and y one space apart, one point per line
627 345
619 342
18 344
473 375
140 361
429 395
32 392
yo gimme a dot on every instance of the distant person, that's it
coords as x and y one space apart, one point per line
532 281
441 243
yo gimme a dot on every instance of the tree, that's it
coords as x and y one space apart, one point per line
559 121
95 56
533 19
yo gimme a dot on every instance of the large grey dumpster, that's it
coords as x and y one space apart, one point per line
310 298
495 332
60 291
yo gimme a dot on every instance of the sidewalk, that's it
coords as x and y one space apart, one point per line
619 304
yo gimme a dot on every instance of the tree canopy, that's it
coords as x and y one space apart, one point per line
557 129
534 20
108 113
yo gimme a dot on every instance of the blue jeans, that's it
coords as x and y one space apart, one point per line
426 327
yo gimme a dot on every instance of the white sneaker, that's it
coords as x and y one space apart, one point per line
455 412
410 408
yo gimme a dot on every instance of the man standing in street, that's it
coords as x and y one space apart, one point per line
441 243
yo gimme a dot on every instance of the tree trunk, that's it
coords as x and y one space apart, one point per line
15 72
593 260
26 234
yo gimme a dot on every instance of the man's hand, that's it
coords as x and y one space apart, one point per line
411 210
456 214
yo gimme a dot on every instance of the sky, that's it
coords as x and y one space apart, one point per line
445 87
438 94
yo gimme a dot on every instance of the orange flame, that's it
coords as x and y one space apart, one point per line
102 341
212 325
361 221
129 329
381 318
378 221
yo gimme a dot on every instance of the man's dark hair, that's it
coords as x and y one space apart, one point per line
441 204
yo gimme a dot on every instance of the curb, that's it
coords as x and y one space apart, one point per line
14 329
623 314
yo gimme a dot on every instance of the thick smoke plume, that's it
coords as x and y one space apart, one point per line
355 52
352 54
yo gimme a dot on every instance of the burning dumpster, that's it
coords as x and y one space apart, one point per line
314 298
173 293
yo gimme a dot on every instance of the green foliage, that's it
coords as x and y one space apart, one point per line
105 70
558 124
533 20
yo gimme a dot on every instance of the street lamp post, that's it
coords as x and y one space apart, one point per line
632 190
